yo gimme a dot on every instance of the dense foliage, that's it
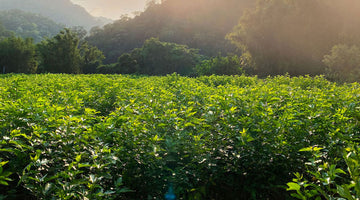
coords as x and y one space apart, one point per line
156 58
328 176
200 24
279 36
91 58
124 137
29 25
220 65
293 36
272 37
66 53
18 55
343 63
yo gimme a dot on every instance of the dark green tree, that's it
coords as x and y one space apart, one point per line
91 58
343 63
220 65
127 64
61 54
160 58
18 55
66 53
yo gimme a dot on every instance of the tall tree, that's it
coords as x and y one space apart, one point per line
18 55
91 58
61 54
66 53
343 63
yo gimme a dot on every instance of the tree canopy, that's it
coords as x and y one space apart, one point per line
61 54
343 63
17 55
200 24
220 65
157 58
66 53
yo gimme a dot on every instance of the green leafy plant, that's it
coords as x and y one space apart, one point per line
4 175
328 180
216 137
220 65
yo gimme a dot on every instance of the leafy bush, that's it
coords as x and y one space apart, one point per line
331 178
127 64
229 65
343 63
107 69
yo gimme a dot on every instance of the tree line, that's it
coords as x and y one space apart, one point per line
68 53
64 53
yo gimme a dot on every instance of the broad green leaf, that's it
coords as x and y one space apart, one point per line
3 183
3 163
78 158
344 192
293 186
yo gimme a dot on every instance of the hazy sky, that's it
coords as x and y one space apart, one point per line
111 8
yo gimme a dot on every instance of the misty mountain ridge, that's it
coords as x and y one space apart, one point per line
60 11
26 24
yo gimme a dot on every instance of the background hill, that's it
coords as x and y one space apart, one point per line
61 11
25 24
4 33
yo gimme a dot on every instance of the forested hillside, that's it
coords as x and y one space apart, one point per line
61 11
275 36
25 24
293 36
4 33
200 24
